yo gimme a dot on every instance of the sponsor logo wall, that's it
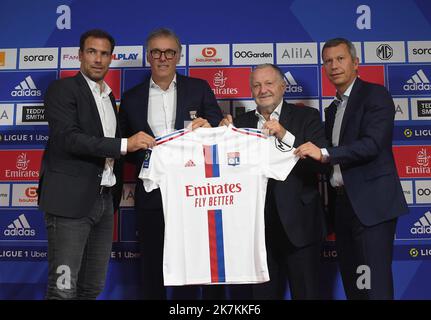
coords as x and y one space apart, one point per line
404 67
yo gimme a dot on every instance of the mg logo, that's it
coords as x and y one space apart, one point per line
384 51
209 52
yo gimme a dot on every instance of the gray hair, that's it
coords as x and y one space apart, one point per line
163 33
268 65
337 41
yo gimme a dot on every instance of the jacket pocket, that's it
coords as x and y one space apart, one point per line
67 170
378 171
309 197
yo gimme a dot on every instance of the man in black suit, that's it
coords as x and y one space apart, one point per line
159 106
294 216
79 182
366 189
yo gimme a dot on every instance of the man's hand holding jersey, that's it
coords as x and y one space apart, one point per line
270 127
140 140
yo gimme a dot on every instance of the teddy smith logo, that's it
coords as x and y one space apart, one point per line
213 194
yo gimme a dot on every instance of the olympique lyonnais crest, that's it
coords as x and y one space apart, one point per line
233 158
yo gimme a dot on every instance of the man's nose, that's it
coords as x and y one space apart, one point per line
98 57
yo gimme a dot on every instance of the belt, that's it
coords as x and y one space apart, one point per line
104 190
340 191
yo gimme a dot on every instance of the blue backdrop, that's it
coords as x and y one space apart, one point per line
222 41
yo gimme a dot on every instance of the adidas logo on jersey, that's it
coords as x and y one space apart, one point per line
26 88
292 85
423 225
419 81
20 227
190 163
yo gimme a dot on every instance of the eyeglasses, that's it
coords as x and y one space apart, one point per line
157 53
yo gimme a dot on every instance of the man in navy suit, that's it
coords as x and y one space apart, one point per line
161 104
365 184
294 218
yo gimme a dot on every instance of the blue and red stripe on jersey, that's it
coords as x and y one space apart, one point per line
250 132
212 166
216 246
171 136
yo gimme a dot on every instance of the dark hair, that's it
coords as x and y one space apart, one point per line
337 41
96 33
163 33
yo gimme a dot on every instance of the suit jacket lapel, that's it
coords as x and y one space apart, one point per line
114 106
85 89
285 115
145 98
181 98
351 103
330 119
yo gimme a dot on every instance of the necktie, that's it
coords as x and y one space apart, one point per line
337 122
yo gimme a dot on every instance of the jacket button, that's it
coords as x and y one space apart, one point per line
99 175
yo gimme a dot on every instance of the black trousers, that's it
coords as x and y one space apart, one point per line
360 245
298 265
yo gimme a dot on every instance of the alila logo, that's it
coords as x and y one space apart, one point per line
419 81
292 85
423 225
20 227
26 88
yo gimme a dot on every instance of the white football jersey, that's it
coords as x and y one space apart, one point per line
213 185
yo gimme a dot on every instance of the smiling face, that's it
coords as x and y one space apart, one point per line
163 69
341 69
267 88
95 58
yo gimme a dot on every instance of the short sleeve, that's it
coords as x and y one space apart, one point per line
278 158
150 172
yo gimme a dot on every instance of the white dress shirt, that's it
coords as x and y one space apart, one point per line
288 138
162 108
109 124
336 178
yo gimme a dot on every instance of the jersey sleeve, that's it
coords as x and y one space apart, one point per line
278 158
151 172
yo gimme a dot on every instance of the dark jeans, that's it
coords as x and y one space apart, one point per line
358 245
79 251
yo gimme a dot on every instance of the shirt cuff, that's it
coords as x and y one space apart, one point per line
288 139
325 155
123 146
